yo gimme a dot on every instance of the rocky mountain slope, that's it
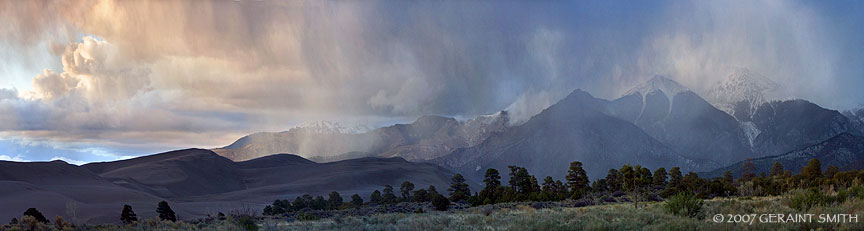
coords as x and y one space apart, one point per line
574 129
845 151
681 119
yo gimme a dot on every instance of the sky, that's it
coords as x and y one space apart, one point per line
85 81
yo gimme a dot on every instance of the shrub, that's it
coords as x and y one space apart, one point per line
803 201
307 217
440 202
684 204
247 222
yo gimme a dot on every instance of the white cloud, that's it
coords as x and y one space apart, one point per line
17 158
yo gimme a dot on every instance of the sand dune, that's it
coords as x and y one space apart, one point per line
196 182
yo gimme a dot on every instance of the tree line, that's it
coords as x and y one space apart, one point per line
635 182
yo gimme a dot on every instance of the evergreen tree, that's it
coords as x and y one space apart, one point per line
748 170
535 185
812 173
459 190
829 173
577 179
127 216
302 202
491 179
421 195
319 203
268 210
376 197
335 200
165 212
356 200
727 177
389 196
675 177
645 178
36 214
660 177
776 169
612 180
406 189
548 185
520 180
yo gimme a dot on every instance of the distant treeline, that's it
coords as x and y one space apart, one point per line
636 182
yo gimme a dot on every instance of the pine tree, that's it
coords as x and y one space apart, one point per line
831 171
335 200
165 212
675 177
356 200
577 179
421 195
548 184
748 170
776 169
268 210
459 190
376 198
389 196
612 180
127 216
36 214
491 179
660 177
406 189
812 173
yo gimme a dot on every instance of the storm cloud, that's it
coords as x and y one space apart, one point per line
142 75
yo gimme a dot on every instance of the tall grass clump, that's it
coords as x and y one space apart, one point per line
684 204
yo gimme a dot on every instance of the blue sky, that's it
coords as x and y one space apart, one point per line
104 80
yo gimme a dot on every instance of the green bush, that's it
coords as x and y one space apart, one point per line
307 217
440 202
247 222
684 204
803 201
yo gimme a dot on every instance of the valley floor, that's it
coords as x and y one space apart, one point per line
615 216
619 216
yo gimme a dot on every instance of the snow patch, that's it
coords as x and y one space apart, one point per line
750 131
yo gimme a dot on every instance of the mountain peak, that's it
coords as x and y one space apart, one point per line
741 84
658 83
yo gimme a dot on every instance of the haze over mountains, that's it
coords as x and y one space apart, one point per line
658 123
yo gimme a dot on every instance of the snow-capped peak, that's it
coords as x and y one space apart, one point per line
330 127
741 84
659 83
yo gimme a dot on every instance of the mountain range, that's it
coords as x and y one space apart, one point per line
657 123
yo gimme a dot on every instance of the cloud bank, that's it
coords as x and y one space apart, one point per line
143 76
